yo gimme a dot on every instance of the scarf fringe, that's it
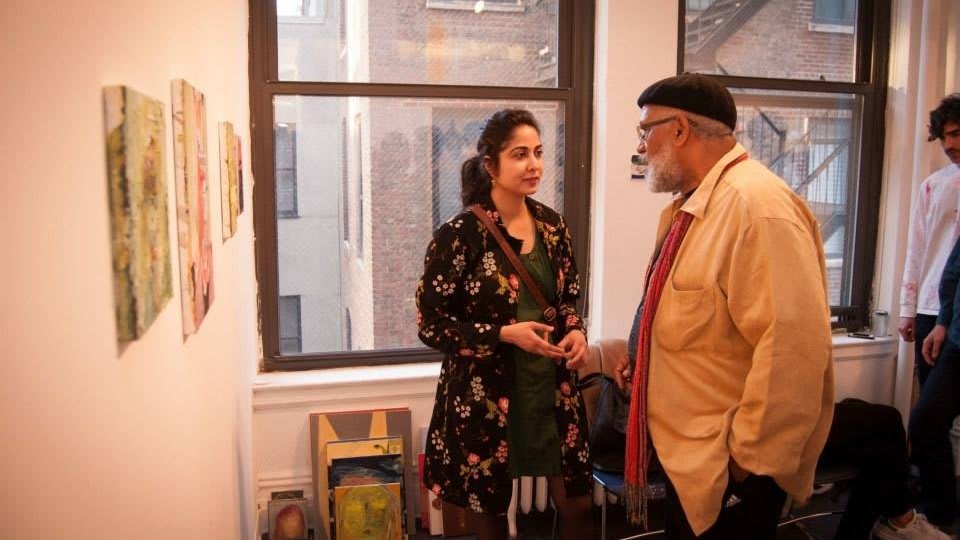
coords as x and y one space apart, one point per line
636 505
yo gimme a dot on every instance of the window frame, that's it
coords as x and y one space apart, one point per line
871 64
574 89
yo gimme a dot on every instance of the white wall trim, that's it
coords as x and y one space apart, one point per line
285 480
845 347
325 387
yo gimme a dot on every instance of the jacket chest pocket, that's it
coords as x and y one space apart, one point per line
683 317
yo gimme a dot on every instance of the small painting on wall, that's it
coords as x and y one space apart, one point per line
193 207
138 208
229 179
239 174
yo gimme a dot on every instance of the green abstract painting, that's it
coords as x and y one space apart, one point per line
138 208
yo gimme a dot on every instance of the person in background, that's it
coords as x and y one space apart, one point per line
731 362
939 371
870 437
934 228
507 403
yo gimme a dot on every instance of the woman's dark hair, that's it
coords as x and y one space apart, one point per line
475 183
947 111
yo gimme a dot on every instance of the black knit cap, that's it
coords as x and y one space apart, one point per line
693 93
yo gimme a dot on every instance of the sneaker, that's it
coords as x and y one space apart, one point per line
917 529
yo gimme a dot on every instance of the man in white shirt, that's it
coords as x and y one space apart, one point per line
934 228
938 361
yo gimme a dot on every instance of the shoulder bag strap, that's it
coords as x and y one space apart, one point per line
549 312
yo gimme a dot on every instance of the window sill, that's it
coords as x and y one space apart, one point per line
842 342
295 388
470 5
830 28
298 388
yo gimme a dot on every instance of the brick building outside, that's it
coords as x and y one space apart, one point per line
383 173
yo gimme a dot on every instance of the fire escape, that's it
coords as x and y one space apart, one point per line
816 164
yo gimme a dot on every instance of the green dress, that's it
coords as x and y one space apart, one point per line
532 425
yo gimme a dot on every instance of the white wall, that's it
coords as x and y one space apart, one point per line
635 46
153 440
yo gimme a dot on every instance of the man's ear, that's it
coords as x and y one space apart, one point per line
683 131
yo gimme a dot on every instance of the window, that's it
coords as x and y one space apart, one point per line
358 182
386 100
290 340
286 169
838 12
344 184
814 116
477 6
301 8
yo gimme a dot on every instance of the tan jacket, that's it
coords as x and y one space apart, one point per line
740 360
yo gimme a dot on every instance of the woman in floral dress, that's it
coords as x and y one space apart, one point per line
507 402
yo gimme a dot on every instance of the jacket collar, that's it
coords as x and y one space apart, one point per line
537 210
697 203
541 217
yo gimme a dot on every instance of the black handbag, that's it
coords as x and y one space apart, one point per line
608 434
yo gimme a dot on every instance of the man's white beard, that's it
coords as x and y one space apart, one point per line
664 173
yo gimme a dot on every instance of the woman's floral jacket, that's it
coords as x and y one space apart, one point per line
468 291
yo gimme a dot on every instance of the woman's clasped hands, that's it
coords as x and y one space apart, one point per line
533 337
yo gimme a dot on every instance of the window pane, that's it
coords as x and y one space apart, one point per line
491 43
811 141
289 310
839 12
285 169
375 176
788 39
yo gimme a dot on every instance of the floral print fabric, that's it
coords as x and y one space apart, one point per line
467 293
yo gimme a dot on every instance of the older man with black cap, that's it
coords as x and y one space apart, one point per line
730 355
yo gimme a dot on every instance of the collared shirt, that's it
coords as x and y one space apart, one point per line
934 228
740 361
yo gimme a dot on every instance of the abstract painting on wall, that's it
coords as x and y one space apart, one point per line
193 207
230 191
368 512
239 174
138 208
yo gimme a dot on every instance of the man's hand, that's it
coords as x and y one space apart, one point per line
934 343
622 371
908 328
575 345
531 337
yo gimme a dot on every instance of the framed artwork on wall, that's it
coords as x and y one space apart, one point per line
134 131
193 207
230 179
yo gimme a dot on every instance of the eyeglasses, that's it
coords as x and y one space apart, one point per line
643 130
